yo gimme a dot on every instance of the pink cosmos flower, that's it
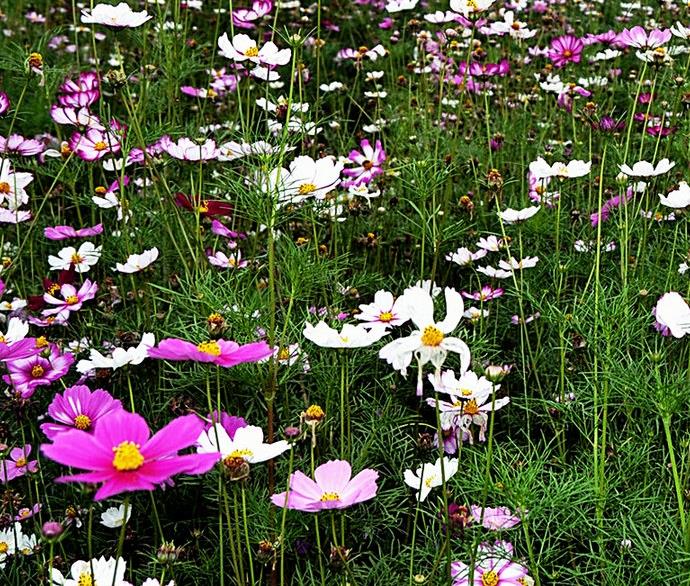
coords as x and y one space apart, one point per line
4 103
639 38
28 373
64 232
369 163
86 82
487 293
94 144
72 299
80 117
566 49
185 149
493 567
332 488
18 145
17 464
221 352
122 454
245 17
26 513
223 261
495 519
78 408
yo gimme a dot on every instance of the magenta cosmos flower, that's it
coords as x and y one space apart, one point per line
18 350
566 49
94 144
78 408
18 145
122 454
368 164
37 371
332 488
4 103
64 232
220 352
18 464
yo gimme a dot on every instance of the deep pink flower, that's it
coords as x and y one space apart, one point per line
78 407
332 488
64 232
487 293
245 17
566 49
4 103
72 299
19 145
26 513
230 423
17 464
94 144
28 373
122 454
221 352
495 519
368 163
18 350
80 93
80 117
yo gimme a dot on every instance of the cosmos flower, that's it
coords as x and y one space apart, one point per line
672 315
247 444
495 519
120 16
40 370
123 456
470 8
493 567
332 488
350 336
678 198
13 541
369 163
18 145
540 169
12 185
646 169
119 357
80 117
96 571
638 37
4 103
65 232
429 476
78 407
114 517
221 352
511 216
82 260
245 17
138 262
18 464
94 144
72 299
305 178
221 260
385 311
429 342
185 149
487 293
566 49
464 257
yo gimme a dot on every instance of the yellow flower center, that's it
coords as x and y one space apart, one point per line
432 336
472 4
471 407
329 497
37 371
283 354
490 578
386 316
307 188
251 52
211 93
72 300
465 392
127 457
210 347
430 480
566 53
20 462
4 547
5 187
100 146
76 259
82 422
85 580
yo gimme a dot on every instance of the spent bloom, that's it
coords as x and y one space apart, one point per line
332 488
123 456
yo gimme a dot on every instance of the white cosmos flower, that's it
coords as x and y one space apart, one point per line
470 7
384 311
120 16
120 357
400 5
468 386
490 244
512 264
673 313
680 31
12 185
495 273
248 444
16 330
429 342
511 216
305 178
429 476
96 572
349 337
540 169
464 256
138 262
82 259
115 516
678 198
646 169
185 149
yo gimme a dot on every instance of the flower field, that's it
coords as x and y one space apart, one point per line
344 292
